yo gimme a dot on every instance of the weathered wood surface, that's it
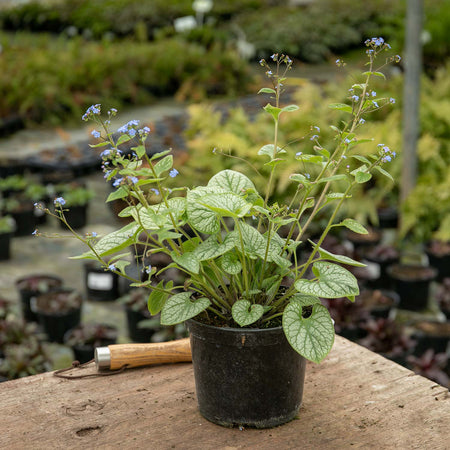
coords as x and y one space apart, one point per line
354 399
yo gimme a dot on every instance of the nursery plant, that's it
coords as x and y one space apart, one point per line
236 247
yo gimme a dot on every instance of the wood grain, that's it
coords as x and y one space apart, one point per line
138 355
355 399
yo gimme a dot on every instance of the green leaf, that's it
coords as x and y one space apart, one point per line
160 155
361 174
324 254
313 336
140 150
313 159
211 249
274 162
227 204
332 281
122 139
180 307
353 225
377 74
188 261
361 158
306 300
333 178
230 263
273 111
120 266
268 150
200 217
113 242
244 313
254 242
231 181
267 91
299 178
163 165
101 144
385 173
157 299
341 107
122 192
290 108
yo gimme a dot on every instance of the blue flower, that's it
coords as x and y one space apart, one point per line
117 182
392 100
317 129
35 232
375 104
298 153
148 269
96 133
105 153
112 267
59 201
134 180
314 137
374 94
91 111
173 173
94 234
155 191
355 98
361 121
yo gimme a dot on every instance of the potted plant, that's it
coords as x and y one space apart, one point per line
21 209
86 337
57 311
412 283
136 310
438 253
253 315
386 337
76 201
30 287
23 350
431 365
7 229
382 256
379 302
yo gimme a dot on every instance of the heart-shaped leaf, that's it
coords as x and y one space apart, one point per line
230 181
244 313
180 307
333 281
312 336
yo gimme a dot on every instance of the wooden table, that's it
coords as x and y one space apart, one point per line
354 399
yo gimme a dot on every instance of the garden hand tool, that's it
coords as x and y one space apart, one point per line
119 356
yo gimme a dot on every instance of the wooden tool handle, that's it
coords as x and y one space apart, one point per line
135 355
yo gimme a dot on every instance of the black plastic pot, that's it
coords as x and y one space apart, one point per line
76 216
101 285
434 335
412 284
56 323
246 377
5 246
134 332
30 287
379 302
25 221
441 263
387 217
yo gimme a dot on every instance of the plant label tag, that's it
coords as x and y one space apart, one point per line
100 281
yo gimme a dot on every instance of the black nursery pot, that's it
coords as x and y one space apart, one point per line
412 284
25 221
27 292
134 332
76 216
441 263
101 285
5 246
56 325
248 377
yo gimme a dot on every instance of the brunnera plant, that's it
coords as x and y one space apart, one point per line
235 247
